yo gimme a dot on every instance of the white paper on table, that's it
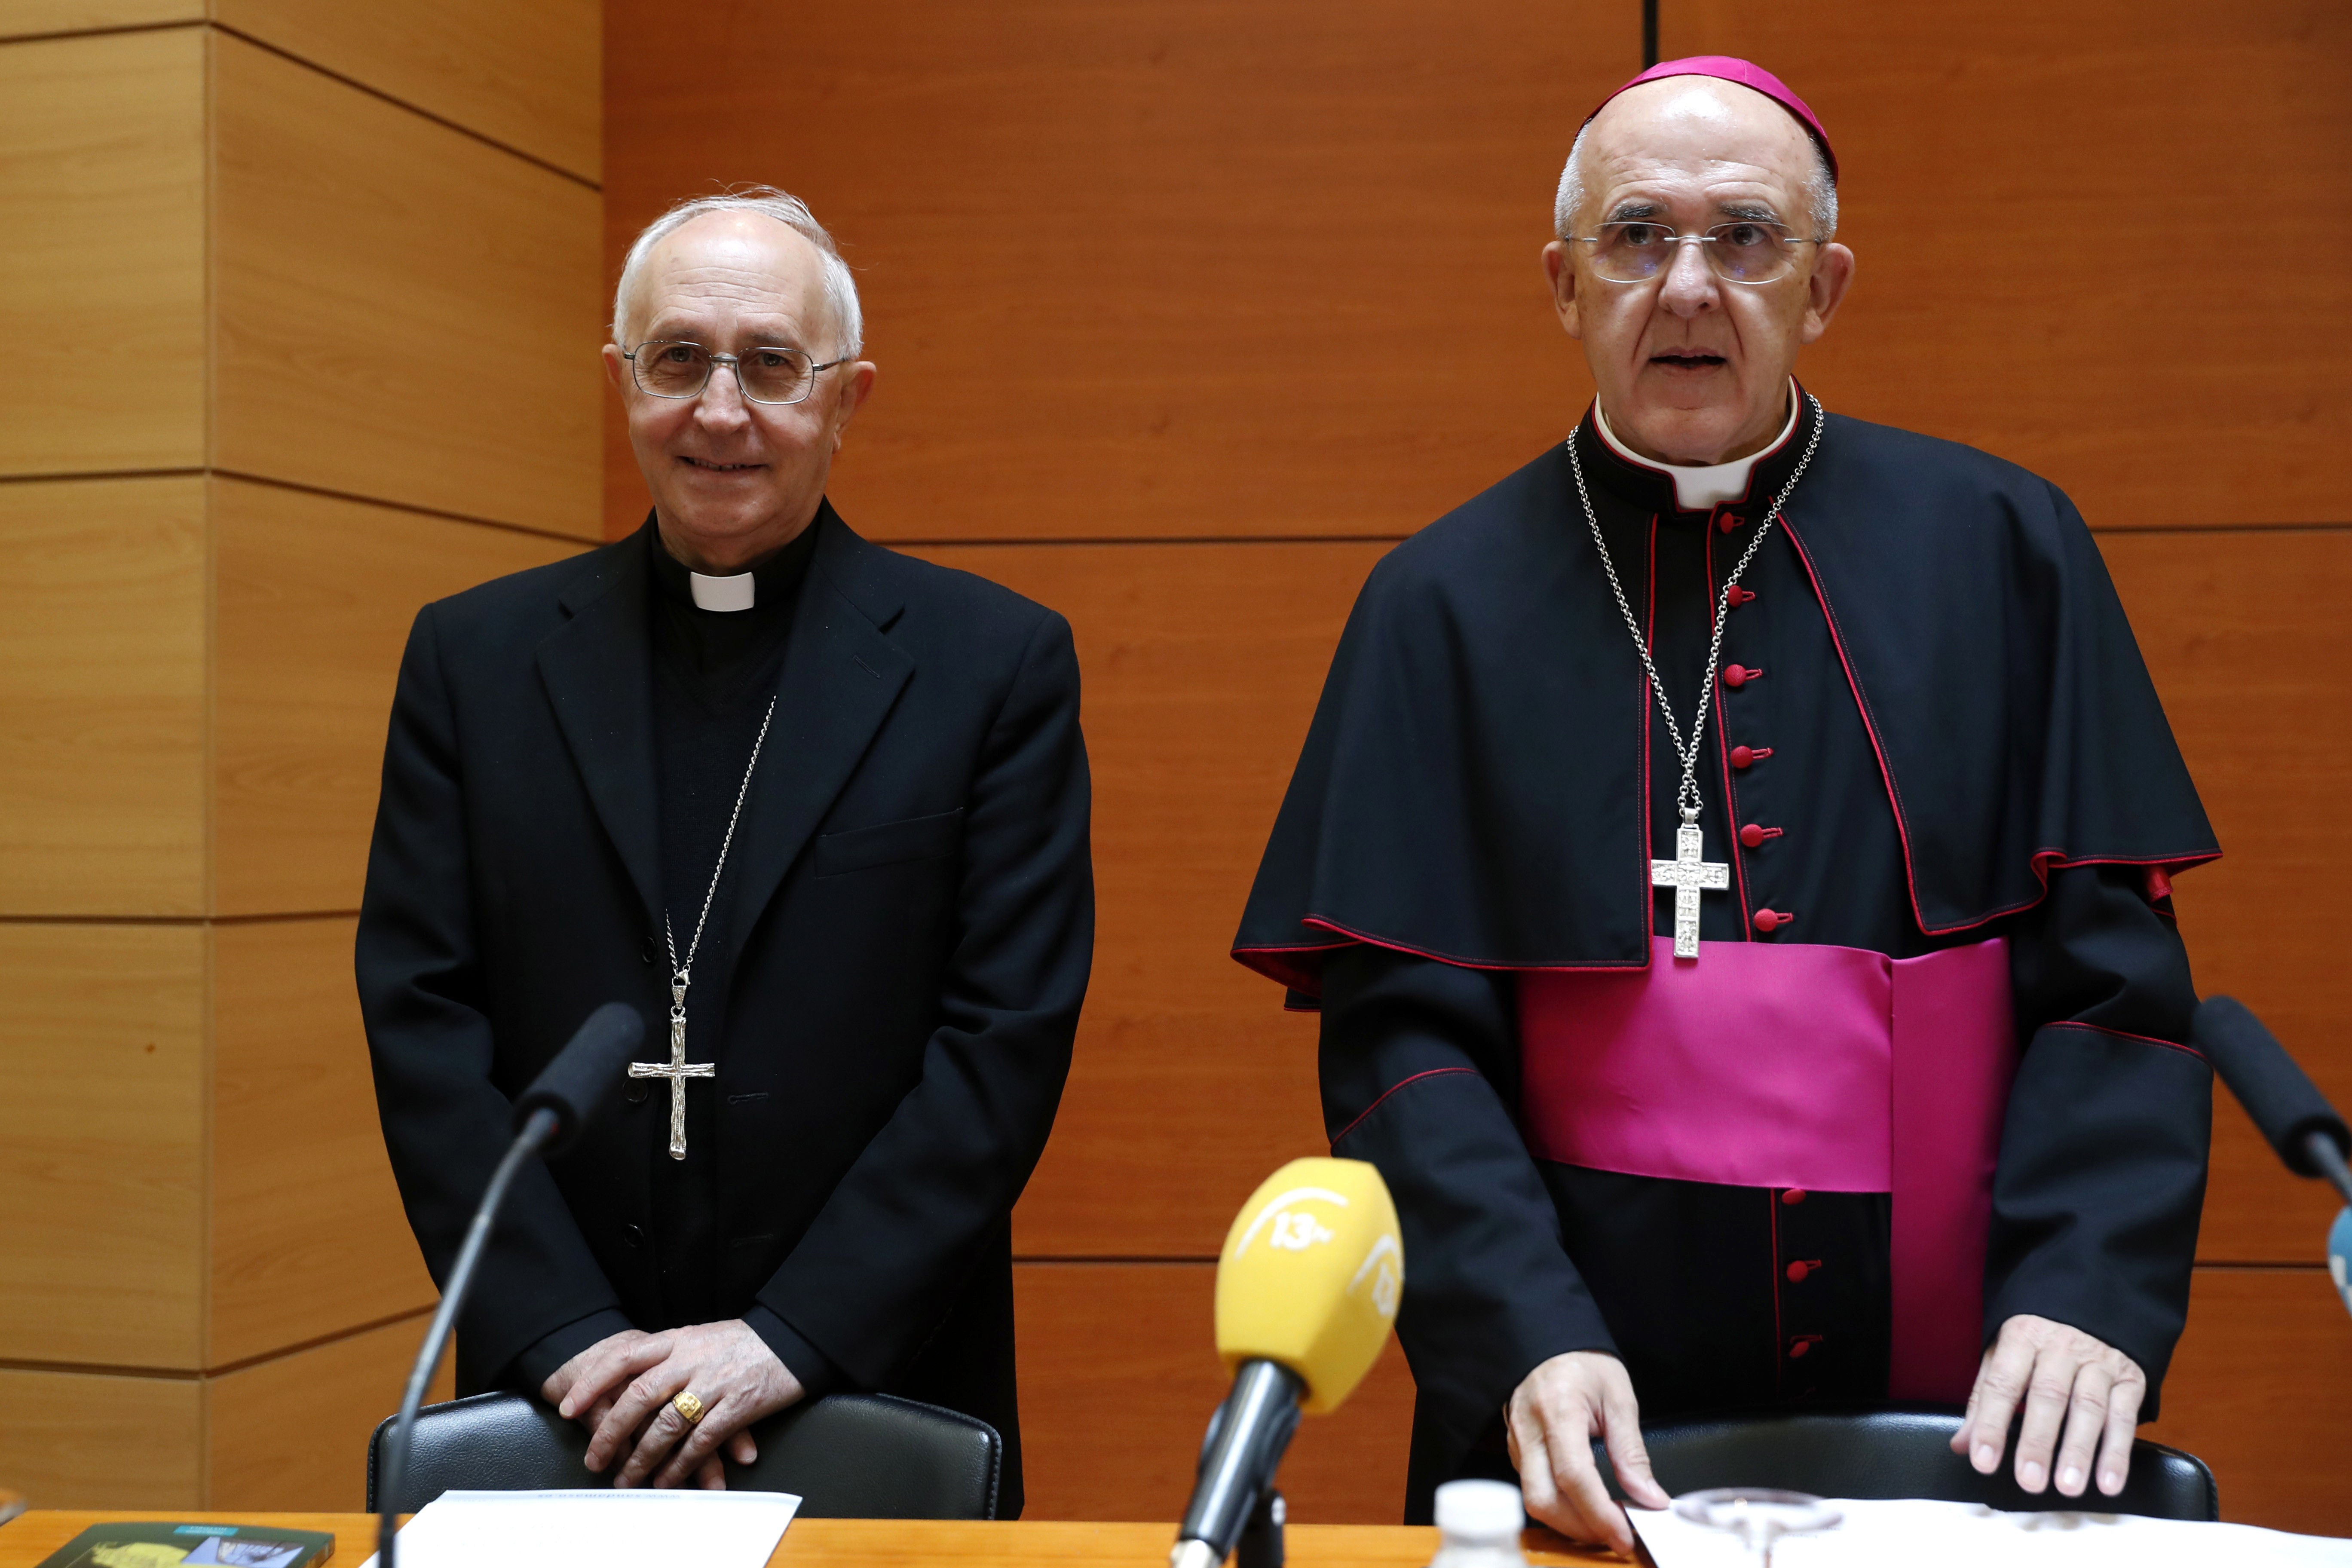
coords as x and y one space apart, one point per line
1915 1533
599 1529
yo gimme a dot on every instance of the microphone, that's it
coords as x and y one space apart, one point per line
1308 1285
570 1092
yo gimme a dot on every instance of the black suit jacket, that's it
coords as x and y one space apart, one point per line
912 918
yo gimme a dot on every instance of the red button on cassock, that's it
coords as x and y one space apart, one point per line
1797 1272
1794 1197
1735 676
1769 921
1797 1351
1752 835
1727 521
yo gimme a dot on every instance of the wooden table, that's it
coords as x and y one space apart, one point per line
840 1542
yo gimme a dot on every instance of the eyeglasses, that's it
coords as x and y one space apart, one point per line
679 369
1743 252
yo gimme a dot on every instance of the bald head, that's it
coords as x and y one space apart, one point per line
1694 123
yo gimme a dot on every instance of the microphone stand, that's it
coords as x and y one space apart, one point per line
537 1130
2320 1147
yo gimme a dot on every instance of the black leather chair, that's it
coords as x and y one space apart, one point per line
851 1456
1903 1451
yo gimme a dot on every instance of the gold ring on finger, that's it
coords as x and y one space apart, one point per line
687 1405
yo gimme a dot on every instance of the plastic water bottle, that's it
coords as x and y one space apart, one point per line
1479 1524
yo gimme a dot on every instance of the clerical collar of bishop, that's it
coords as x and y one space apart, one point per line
1695 489
772 580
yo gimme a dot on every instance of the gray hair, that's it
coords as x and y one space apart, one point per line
1820 191
840 288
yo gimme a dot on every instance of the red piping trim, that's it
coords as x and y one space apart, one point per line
2128 1034
1723 751
1384 1100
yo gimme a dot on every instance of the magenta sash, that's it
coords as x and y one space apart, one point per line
1785 1065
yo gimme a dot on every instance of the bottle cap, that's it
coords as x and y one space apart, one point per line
1480 1510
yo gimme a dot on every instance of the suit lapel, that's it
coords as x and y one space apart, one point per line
841 677
598 670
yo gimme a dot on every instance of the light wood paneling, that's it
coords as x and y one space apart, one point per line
1119 1375
402 312
101 1129
1181 268
101 197
19 18
292 1432
308 1237
2244 633
2252 1393
102 697
1998 161
1202 664
316 598
526 76
70 1440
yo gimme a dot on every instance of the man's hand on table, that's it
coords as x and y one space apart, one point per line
1552 1420
622 1390
2062 1376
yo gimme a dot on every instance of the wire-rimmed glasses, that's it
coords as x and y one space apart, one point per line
678 368
1745 251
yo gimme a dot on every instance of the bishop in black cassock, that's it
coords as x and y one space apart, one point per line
1924 1079
842 795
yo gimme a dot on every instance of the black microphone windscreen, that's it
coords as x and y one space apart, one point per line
579 1085
2280 1095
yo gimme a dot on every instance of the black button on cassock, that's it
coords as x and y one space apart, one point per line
638 1089
634 1235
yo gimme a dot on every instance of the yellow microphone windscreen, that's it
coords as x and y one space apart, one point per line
1310 1275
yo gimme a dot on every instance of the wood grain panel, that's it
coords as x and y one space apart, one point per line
102 198
101 1143
1998 159
316 597
70 1440
2251 1393
20 19
292 1432
307 1236
527 76
1181 268
1202 663
402 312
2244 633
1119 1375
102 697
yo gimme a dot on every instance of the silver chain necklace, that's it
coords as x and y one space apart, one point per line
678 1070
1687 873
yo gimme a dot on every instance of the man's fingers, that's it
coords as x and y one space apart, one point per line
712 1476
2001 1383
1533 1461
2087 1421
608 1373
741 1450
699 1447
1628 1454
2122 1420
1586 1497
637 1405
2047 1396
666 1429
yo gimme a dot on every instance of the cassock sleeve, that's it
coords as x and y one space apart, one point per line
445 1123
869 1280
2103 1154
1419 1073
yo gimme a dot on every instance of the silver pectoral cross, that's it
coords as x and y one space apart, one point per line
678 1070
1686 874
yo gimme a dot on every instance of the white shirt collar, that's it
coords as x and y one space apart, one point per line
735 593
1697 489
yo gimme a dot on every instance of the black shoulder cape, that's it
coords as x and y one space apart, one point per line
1471 786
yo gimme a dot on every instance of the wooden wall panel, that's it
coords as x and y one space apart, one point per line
2253 1393
71 1439
402 312
101 197
21 18
291 1432
1119 1375
1202 664
307 1236
1191 267
316 598
102 697
2244 633
525 76
101 1143
2015 287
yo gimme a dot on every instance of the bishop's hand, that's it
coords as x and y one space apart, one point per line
2062 1376
623 1390
1552 1420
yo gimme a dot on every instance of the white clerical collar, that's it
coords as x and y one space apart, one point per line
1695 489
736 593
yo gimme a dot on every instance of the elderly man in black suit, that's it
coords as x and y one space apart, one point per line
821 807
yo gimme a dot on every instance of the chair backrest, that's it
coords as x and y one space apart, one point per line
851 1456
1897 1452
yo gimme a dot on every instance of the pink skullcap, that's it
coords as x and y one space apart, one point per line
1746 73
